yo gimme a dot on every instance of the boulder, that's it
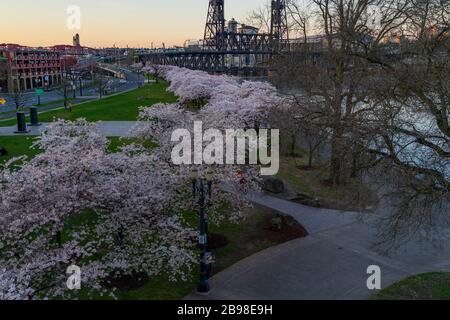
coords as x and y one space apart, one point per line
274 185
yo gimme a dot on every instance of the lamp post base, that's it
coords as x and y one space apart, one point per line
203 288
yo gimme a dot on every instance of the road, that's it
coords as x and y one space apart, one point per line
133 81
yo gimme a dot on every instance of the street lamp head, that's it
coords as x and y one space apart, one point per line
209 176
194 174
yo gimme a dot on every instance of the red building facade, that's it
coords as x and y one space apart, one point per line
30 68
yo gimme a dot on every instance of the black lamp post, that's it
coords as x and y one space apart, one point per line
81 86
198 186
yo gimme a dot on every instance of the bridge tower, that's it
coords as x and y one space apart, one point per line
279 29
215 26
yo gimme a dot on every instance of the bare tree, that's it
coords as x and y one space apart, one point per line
65 89
261 17
341 71
381 77
156 70
19 98
413 114
131 57
300 16
416 109
299 127
101 82
314 134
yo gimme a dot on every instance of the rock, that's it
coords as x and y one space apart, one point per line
274 185
3 152
304 196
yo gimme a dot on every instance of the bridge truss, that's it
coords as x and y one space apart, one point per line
228 51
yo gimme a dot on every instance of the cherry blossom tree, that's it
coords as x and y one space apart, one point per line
108 213
133 223
157 123
222 98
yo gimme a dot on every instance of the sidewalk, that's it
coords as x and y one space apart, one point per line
108 128
331 263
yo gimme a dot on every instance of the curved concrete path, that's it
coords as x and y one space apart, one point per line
331 263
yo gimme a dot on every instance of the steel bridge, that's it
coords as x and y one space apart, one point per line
230 51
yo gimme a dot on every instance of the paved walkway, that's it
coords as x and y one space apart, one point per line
109 129
331 263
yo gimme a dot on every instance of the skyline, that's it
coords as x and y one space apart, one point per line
105 23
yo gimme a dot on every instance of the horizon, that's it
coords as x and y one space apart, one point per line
145 22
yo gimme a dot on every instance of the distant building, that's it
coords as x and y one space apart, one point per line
73 50
392 39
232 26
241 60
76 40
29 68
193 44
248 29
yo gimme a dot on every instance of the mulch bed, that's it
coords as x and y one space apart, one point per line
217 241
281 228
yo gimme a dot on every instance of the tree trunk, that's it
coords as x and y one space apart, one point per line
336 157
59 238
354 173
294 143
311 153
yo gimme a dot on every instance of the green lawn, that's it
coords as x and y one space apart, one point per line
21 145
428 286
122 107
17 146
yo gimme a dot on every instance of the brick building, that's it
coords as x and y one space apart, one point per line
28 68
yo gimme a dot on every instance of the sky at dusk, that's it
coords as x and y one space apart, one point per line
136 23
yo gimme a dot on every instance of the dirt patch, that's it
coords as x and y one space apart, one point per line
281 228
320 203
276 228
262 229
359 201
306 168
217 241
126 282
